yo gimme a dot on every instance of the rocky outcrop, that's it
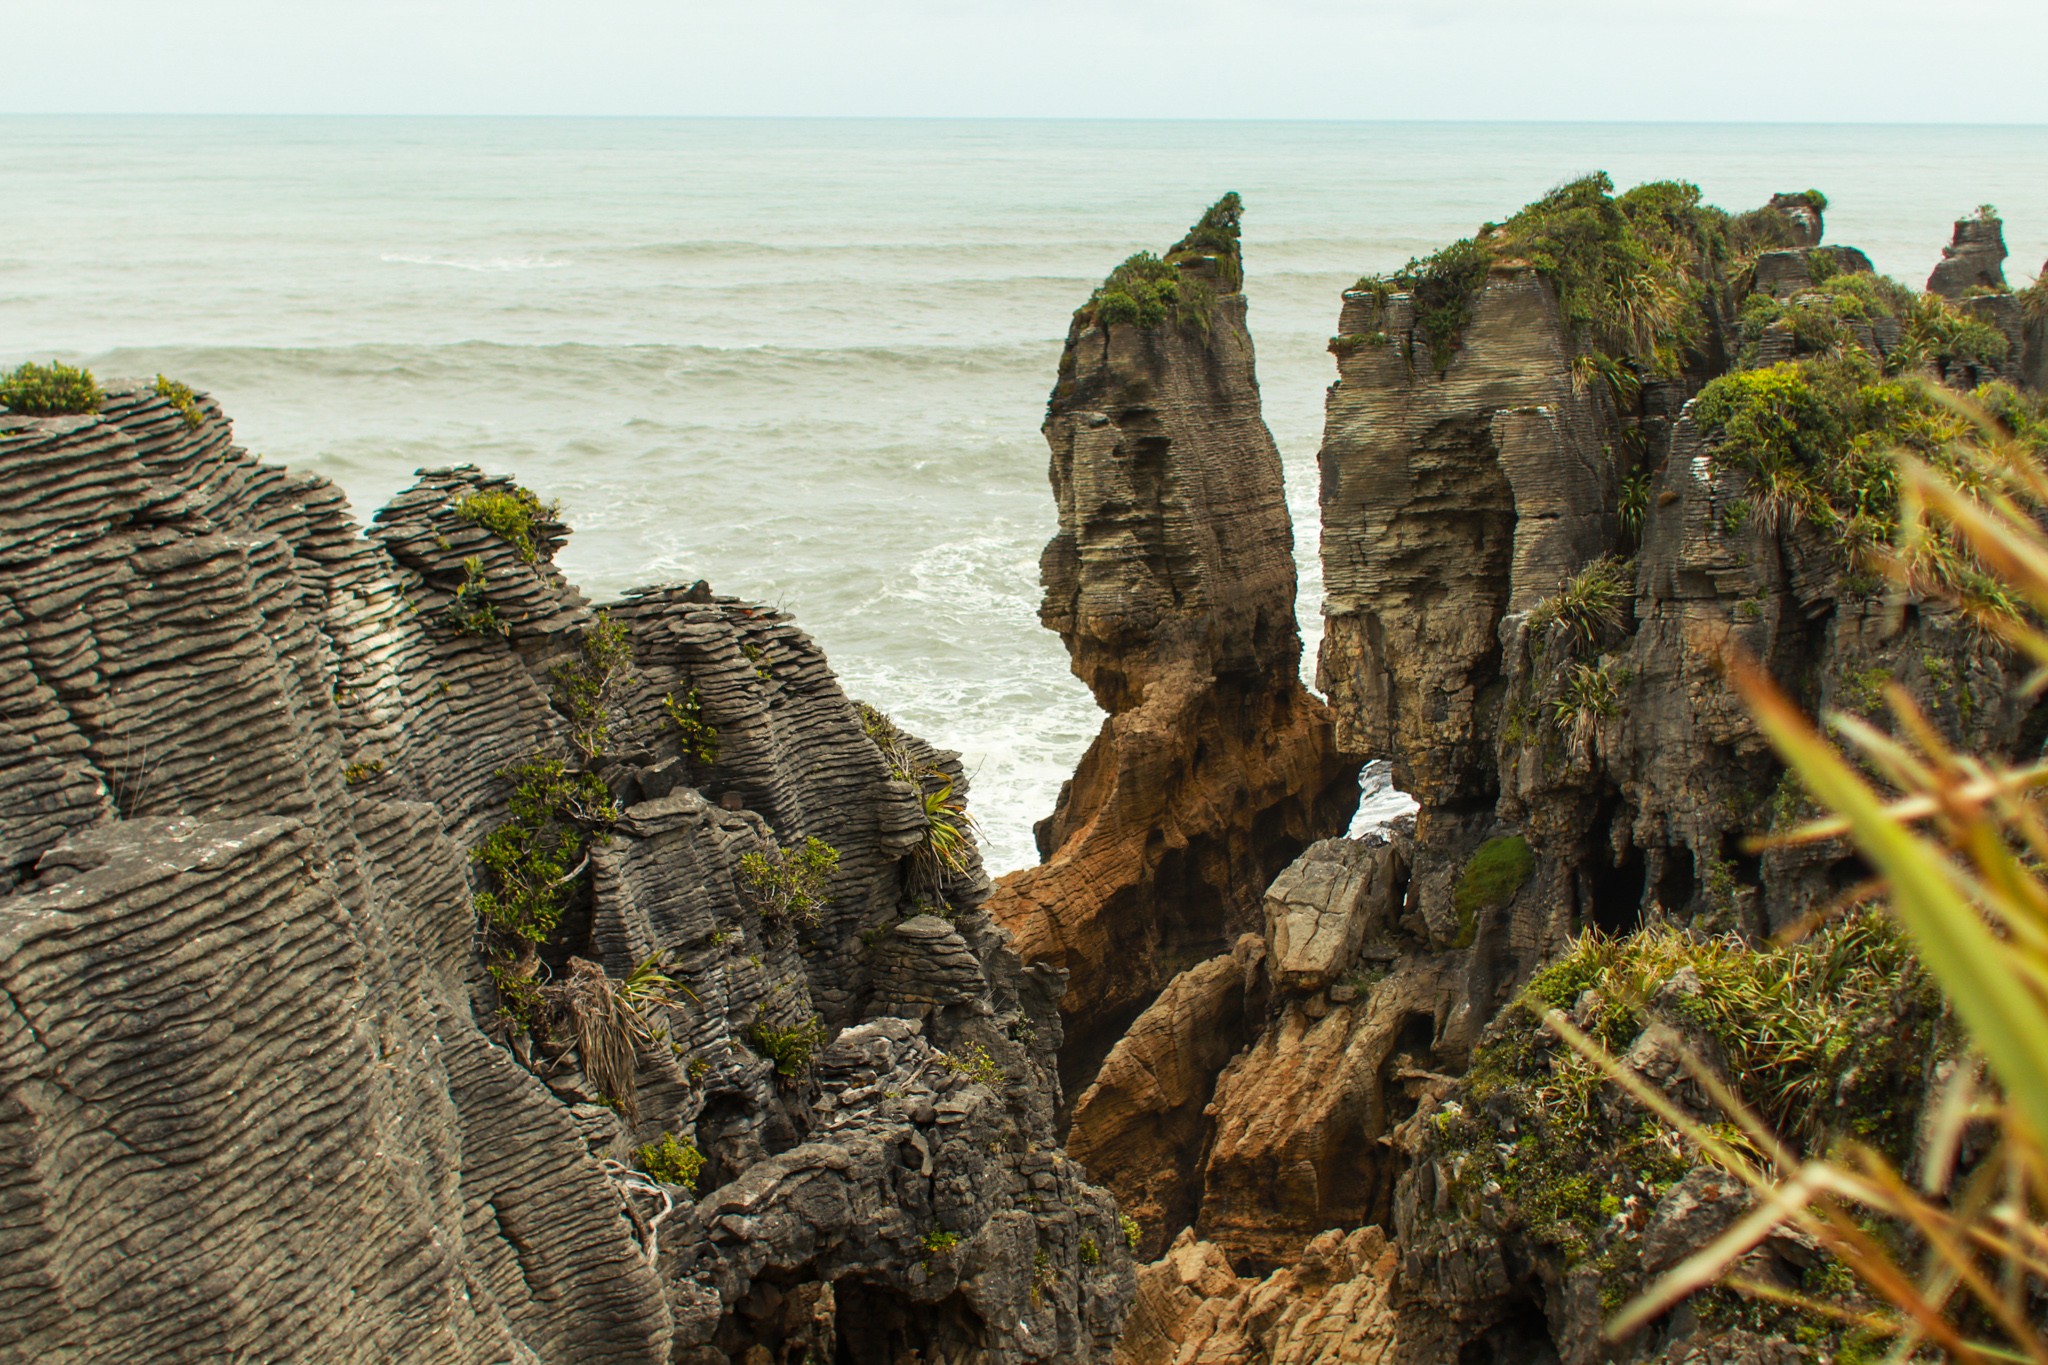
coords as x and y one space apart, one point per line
1536 550
262 1097
1333 1304
1172 583
1973 259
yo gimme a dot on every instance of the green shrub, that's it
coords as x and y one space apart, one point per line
1143 292
182 398
789 1048
789 883
355 774
470 611
592 686
672 1161
1490 880
1589 605
1133 1234
530 861
976 1065
50 390
1090 1253
938 1241
699 739
514 516
1591 692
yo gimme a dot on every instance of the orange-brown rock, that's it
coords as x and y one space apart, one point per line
1334 1306
1172 583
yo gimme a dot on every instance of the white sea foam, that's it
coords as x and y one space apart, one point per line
483 264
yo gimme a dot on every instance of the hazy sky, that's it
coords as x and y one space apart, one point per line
1772 60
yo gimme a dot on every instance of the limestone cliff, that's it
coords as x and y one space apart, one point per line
1172 583
1547 511
705 1080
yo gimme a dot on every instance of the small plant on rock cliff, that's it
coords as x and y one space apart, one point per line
182 398
1633 507
942 853
1490 880
789 883
530 861
513 515
592 687
789 1048
976 1065
1133 1234
470 611
1091 1254
697 737
50 390
672 1161
1588 606
1591 693
938 1242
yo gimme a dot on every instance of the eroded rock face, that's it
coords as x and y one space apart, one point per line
1974 259
1172 583
259 1095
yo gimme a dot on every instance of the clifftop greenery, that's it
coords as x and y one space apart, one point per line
1631 271
513 515
1147 290
49 390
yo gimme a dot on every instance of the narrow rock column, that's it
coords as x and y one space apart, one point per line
1172 583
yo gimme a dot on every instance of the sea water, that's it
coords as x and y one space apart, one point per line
808 360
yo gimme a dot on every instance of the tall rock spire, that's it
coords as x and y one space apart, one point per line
1172 583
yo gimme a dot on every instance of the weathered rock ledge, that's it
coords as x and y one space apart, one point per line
261 1099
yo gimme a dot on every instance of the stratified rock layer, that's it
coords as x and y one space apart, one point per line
258 1099
1172 583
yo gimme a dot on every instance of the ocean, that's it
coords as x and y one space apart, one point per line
807 360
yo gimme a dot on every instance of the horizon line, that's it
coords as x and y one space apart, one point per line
1025 118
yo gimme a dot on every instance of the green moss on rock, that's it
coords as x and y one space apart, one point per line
1490 880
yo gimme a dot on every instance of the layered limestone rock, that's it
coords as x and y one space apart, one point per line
1536 555
1172 583
262 1098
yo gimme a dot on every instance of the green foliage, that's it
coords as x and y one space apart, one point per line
789 883
1634 505
1490 880
1216 237
1827 1038
1133 1234
757 655
1144 292
514 516
672 1161
182 398
1442 286
592 686
521 1002
1091 1255
1631 272
49 390
698 737
470 611
1940 335
938 1242
1588 606
976 1065
529 861
355 774
789 1048
1814 438
1591 692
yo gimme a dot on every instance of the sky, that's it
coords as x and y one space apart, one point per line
1922 61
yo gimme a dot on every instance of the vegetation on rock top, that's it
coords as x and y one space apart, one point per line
513 515
1146 290
182 398
49 390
